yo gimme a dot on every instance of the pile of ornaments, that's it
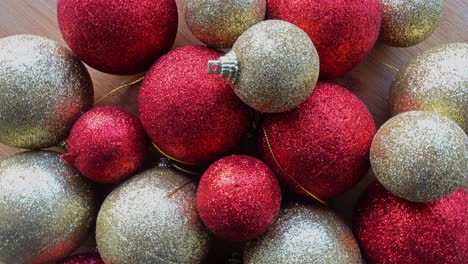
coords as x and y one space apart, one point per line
312 139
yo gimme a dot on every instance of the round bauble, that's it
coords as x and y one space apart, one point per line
220 23
420 156
191 116
436 81
90 258
273 66
407 23
395 231
118 36
47 208
152 218
343 31
43 91
305 234
238 198
106 144
321 148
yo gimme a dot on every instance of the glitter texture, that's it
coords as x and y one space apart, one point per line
420 156
107 144
47 208
152 218
118 36
435 81
394 231
278 64
343 31
238 198
43 90
407 23
305 234
92 258
323 145
190 115
219 23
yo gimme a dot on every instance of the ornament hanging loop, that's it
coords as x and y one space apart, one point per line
227 67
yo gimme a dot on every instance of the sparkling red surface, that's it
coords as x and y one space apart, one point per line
191 115
323 144
238 198
91 258
343 31
395 231
107 144
118 36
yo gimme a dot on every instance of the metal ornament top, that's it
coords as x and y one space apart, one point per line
227 67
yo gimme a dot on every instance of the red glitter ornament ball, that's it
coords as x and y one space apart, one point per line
322 147
118 36
192 116
91 258
238 198
106 144
343 31
395 231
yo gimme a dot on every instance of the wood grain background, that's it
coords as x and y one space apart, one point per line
370 80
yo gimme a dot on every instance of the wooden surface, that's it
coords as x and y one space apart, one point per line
370 80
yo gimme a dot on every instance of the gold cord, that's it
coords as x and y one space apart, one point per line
119 88
285 173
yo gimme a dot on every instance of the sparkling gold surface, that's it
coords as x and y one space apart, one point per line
278 66
420 156
43 90
152 218
305 234
46 208
219 23
436 81
408 22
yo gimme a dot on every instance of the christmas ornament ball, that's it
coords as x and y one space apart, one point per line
120 37
152 218
190 115
305 234
344 32
43 91
322 147
407 23
273 66
106 144
435 81
220 23
47 208
392 230
420 156
238 198
89 258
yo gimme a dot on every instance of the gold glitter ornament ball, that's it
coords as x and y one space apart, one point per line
273 66
436 81
218 23
152 218
43 90
47 208
305 234
409 22
420 156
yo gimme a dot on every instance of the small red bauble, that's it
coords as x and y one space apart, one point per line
118 36
91 258
189 114
343 31
107 144
238 198
321 147
395 231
